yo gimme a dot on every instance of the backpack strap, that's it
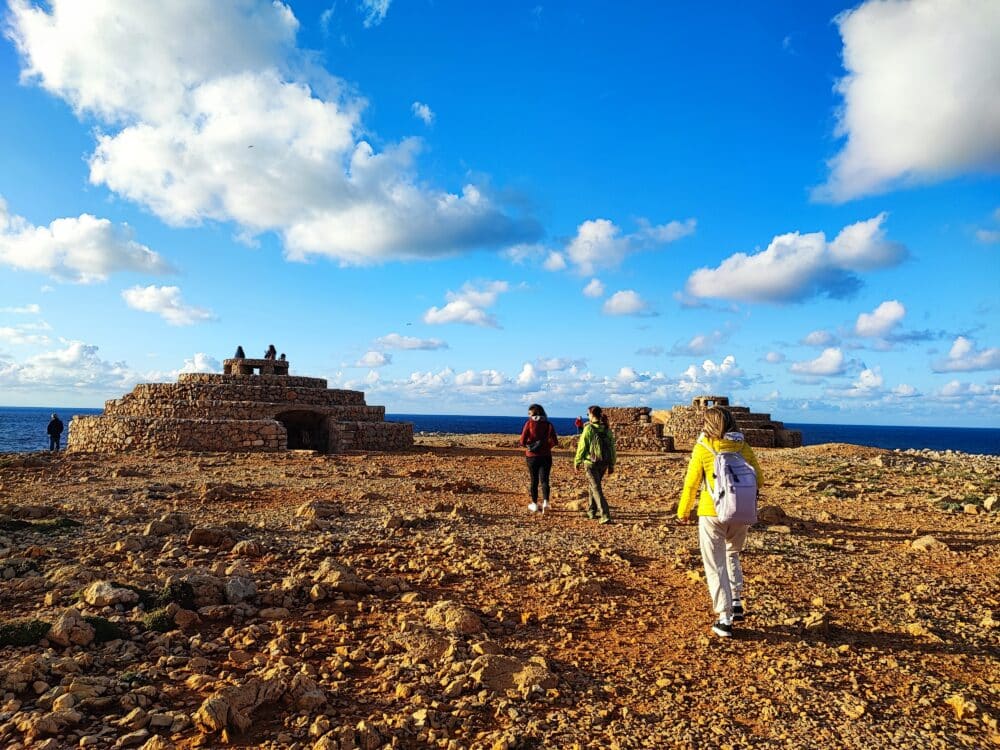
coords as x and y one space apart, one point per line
703 441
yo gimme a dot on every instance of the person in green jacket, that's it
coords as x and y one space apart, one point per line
596 453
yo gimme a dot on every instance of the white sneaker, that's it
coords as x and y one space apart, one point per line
533 507
545 505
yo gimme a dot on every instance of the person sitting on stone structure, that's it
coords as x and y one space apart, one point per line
271 352
282 357
239 353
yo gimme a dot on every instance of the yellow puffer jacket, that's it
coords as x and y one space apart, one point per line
701 466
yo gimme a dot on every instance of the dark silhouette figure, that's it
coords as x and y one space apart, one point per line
271 352
54 429
239 353
282 357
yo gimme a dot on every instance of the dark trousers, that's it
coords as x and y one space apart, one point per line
598 503
54 442
540 468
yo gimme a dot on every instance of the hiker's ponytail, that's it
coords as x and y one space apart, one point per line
597 414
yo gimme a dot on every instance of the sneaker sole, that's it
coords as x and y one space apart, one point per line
721 633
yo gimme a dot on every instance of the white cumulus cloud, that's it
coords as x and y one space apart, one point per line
600 243
881 320
711 377
32 309
920 94
965 357
422 112
469 305
795 266
374 359
77 366
81 249
625 302
201 362
235 123
830 362
594 288
819 338
774 358
397 341
166 302
555 261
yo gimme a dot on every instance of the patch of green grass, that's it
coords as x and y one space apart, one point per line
147 599
159 621
45 526
13 524
180 592
23 632
133 678
104 630
948 505
51 525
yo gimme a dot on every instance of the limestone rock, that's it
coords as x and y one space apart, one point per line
70 628
771 514
240 589
305 694
247 548
499 673
209 537
454 618
927 543
106 594
335 576
232 707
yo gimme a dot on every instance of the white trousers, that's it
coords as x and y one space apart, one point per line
721 544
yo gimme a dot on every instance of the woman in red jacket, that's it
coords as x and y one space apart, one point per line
538 438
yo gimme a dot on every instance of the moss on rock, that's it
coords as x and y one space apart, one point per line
23 632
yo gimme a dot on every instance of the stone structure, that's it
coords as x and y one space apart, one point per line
635 430
685 423
253 406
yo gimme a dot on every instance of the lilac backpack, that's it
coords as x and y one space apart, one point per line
735 493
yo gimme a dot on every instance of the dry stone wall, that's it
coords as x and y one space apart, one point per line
635 430
239 412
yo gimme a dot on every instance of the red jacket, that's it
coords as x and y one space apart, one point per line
540 430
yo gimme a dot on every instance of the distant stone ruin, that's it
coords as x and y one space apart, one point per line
255 405
684 423
635 430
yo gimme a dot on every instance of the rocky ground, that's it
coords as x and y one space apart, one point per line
410 600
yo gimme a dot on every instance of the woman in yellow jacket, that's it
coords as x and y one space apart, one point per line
721 543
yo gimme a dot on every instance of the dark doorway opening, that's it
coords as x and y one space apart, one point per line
306 430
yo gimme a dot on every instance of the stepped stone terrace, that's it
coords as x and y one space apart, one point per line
254 405
684 423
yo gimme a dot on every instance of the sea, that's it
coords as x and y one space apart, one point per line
22 429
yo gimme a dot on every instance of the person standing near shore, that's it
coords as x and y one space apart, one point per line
595 451
538 438
54 430
721 543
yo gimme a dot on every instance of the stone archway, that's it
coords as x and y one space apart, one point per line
306 430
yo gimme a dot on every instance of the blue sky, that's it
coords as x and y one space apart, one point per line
468 207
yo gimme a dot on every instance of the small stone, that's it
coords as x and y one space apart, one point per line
274 613
133 739
927 543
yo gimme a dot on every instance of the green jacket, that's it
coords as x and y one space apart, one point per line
583 447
